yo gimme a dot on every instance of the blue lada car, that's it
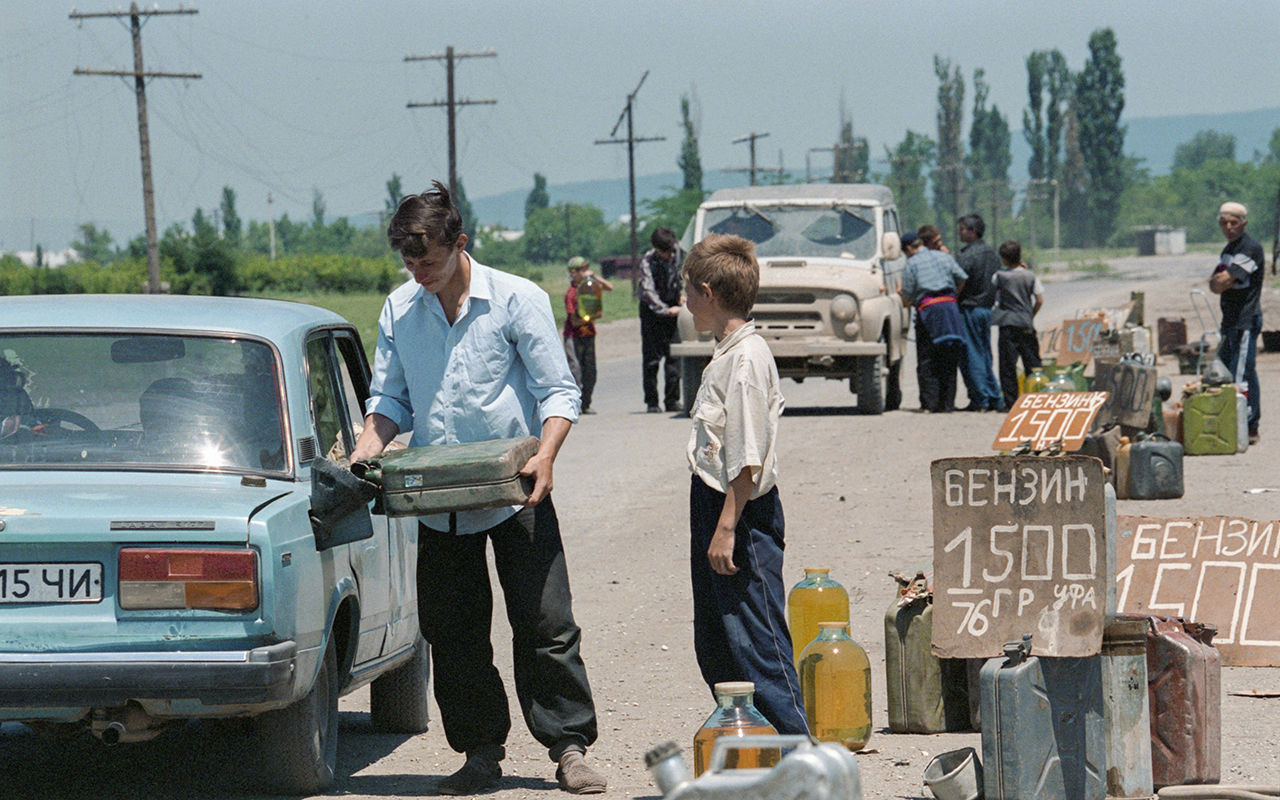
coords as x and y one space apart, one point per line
160 558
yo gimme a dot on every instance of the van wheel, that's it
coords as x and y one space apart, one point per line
691 379
868 383
298 745
398 700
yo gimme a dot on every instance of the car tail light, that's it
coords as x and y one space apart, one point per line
223 580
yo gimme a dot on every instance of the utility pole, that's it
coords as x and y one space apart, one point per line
451 103
751 139
139 76
631 141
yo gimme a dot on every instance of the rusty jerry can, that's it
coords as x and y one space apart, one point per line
1126 711
926 694
1209 421
1043 735
1184 682
1155 468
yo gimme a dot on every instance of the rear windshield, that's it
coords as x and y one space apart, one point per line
139 401
799 231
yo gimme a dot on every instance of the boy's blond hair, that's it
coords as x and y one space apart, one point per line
728 265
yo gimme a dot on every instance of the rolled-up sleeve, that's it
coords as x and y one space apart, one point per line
747 434
548 377
388 390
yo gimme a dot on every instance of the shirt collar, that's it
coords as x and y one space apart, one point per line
747 328
480 287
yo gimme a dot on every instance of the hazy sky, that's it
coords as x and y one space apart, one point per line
299 96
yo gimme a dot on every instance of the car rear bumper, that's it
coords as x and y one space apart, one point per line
213 678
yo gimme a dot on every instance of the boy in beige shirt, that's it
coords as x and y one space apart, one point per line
735 517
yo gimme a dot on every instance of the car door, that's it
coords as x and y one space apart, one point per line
335 400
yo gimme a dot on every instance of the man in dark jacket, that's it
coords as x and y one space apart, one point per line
1238 280
661 291
980 263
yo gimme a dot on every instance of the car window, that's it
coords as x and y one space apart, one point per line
325 409
781 230
352 375
126 401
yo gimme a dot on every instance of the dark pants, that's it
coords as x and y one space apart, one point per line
656 335
1229 351
455 607
1014 343
584 351
976 369
739 621
936 367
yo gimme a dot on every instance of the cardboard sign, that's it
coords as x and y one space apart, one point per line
1220 570
1077 337
1043 418
1131 390
1019 546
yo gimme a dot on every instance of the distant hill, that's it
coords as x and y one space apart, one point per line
1153 139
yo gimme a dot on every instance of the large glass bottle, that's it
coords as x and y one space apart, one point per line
590 298
1036 381
815 599
735 715
835 681
1060 382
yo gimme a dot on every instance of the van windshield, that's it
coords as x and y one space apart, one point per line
797 231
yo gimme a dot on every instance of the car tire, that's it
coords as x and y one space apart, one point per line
869 383
398 700
298 745
893 391
691 379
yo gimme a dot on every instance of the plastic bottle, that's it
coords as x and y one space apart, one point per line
590 298
735 715
835 680
815 599
1036 381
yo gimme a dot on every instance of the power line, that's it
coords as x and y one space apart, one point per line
753 169
139 76
452 103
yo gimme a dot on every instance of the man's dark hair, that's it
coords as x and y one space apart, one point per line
663 239
1011 252
929 233
423 219
974 223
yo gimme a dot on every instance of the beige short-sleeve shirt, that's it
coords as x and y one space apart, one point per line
735 415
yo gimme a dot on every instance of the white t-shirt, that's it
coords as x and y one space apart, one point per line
735 415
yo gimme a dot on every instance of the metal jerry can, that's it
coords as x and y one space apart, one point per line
1209 425
926 694
1155 468
1043 734
1184 679
1126 712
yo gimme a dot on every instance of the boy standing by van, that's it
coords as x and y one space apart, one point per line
1019 295
735 517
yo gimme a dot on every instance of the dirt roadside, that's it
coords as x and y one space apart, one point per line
857 497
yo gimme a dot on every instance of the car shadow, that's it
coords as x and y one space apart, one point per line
822 411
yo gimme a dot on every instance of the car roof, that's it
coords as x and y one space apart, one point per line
872 192
269 319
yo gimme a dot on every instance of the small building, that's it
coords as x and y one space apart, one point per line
1160 240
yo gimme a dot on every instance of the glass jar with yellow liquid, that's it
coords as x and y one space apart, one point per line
1036 381
590 299
817 598
835 681
735 715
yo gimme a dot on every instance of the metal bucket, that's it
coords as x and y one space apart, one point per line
955 775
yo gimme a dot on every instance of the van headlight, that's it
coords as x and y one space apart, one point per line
843 308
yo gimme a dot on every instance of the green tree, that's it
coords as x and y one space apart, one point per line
231 224
948 173
555 233
908 162
395 193
538 197
1074 183
989 155
1099 96
93 244
1033 115
689 162
317 208
1061 85
674 211
850 156
1204 146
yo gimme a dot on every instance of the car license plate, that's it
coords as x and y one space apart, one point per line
51 583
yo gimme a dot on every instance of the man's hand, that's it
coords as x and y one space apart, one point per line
720 553
377 434
539 466
673 311
1219 282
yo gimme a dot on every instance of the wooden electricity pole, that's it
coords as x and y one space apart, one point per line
139 76
631 141
753 169
452 103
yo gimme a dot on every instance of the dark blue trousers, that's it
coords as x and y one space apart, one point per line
739 621
1230 352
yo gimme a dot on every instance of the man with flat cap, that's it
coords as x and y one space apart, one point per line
1238 281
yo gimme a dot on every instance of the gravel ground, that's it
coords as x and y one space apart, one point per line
857 497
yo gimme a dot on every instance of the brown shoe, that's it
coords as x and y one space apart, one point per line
576 777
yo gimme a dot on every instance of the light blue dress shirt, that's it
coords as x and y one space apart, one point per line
498 372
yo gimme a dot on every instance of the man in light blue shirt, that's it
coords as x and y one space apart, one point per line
467 353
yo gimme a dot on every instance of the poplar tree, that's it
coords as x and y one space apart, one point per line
689 162
948 172
538 197
1099 101
908 161
231 224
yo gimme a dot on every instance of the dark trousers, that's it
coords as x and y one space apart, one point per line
1012 344
455 606
656 335
739 621
979 378
584 350
1229 351
936 366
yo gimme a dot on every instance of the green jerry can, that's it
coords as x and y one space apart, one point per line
1209 425
926 694
451 477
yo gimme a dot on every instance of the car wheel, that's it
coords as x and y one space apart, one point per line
298 744
398 700
868 383
893 391
691 379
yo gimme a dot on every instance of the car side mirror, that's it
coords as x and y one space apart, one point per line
891 246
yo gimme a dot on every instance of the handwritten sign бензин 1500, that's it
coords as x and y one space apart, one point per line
1019 546
1043 418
